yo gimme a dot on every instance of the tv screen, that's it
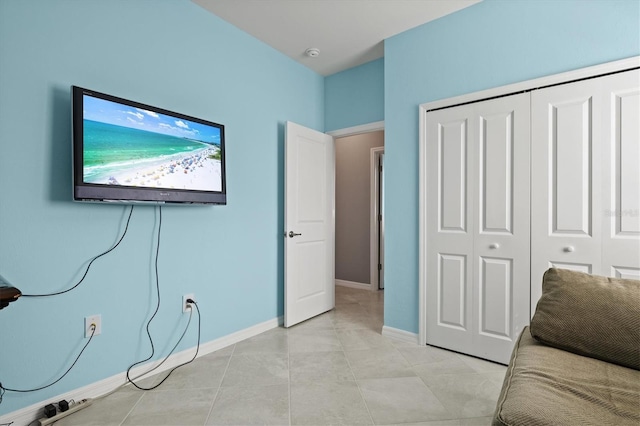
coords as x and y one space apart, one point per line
125 151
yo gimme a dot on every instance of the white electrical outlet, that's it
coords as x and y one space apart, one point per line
88 321
186 307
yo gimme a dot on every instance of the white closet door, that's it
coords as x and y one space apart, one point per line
450 233
502 231
478 226
585 178
566 181
621 176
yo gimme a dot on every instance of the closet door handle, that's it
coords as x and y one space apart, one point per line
494 246
569 249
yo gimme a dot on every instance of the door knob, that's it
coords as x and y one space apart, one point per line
569 249
293 234
494 246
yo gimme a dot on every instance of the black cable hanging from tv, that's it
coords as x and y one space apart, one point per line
90 263
129 379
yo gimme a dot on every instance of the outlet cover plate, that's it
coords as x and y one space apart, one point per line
92 319
186 307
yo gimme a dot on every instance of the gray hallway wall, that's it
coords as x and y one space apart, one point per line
353 205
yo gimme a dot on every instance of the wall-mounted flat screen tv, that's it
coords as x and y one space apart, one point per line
125 151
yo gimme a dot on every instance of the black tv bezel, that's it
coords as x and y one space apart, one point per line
83 191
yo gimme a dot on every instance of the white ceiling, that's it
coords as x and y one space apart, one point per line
347 32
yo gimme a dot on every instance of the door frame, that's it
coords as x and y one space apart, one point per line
565 77
357 130
375 186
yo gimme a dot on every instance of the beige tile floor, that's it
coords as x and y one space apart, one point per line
335 369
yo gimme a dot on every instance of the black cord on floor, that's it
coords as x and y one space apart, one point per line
3 388
89 265
167 357
170 352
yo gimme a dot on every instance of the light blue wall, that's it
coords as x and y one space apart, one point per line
174 55
490 44
355 96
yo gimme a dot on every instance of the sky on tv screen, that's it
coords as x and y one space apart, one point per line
129 146
96 109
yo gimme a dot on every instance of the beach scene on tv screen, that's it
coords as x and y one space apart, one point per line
135 147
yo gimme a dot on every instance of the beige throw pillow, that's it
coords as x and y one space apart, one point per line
590 315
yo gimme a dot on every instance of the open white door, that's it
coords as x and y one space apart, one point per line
309 264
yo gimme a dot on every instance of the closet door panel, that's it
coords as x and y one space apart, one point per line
565 180
496 173
621 181
626 273
449 256
452 291
495 287
570 141
452 176
587 268
502 237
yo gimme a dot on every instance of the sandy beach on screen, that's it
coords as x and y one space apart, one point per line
189 171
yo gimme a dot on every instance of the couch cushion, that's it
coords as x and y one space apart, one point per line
546 386
590 315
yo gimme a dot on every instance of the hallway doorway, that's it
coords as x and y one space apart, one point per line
359 211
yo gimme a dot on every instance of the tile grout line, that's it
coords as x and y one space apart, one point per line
355 379
413 366
215 397
132 408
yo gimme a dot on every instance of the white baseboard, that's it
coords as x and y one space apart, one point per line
396 333
353 284
28 415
